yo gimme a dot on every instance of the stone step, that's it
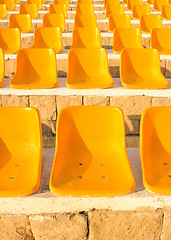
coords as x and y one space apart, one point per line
62 62
102 24
50 101
46 202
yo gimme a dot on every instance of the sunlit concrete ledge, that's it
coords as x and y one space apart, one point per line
117 90
46 202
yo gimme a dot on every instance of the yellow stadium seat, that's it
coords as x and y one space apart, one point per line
2 68
29 9
91 158
166 12
141 9
66 2
155 149
43 1
114 9
150 2
38 2
86 38
140 69
54 20
88 68
85 20
10 40
58 9
111 2
159 3
119 21
45 37
10 4
148 22
35 69
131 3
126 38
159 40
3 11
21 21
84 1
17 1
21 151
84 9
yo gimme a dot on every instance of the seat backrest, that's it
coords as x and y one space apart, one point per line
141 9
21 21
2 68
159 3
85 20
119 21
114 9
148 22
166 12
84 9
3 11
131 3
29 9
159 40
38 2
10 40
10 4
58 8
86 38
54 20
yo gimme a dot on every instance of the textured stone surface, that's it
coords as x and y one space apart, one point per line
96 100
161 101
132 141
125 225
46 105
64 101
166 233
15 228
114 67
12 100
59 227
10 67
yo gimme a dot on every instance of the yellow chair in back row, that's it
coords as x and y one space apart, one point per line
54 20
131 4
37 2
21 21
85 20
166 12
91 158
148 22
58 9
119 21
85 9
159 3
29 9
3 11
10 40
140 69
114 9
10 4
48 37
141 9
35 69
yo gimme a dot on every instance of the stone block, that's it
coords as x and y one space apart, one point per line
166 233
10 66
59 227
46 106
64 101
161 101
12 100
96 100
132 141
114 65
118 225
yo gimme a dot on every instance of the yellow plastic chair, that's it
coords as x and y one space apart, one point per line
2 68
119 21
85 20
35 69
17 1
84 2
21 21
159 40
21 151
29 9
58 9
66 2
91 158
86 38
166 12
126 38
84 9
150 2
88 68
45 37
148 22
10 40
111 2
43 1
10 4
140 69
159 3
131 3
3 11
155 149
38 2
114 9
141 9
54 20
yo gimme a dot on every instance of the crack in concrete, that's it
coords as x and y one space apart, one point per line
85 214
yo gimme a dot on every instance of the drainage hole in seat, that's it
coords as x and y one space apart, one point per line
11 177
165 164
79 177
102 176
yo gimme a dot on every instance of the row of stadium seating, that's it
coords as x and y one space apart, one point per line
91 157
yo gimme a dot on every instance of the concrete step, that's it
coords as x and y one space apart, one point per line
50 101
46 202
62 62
